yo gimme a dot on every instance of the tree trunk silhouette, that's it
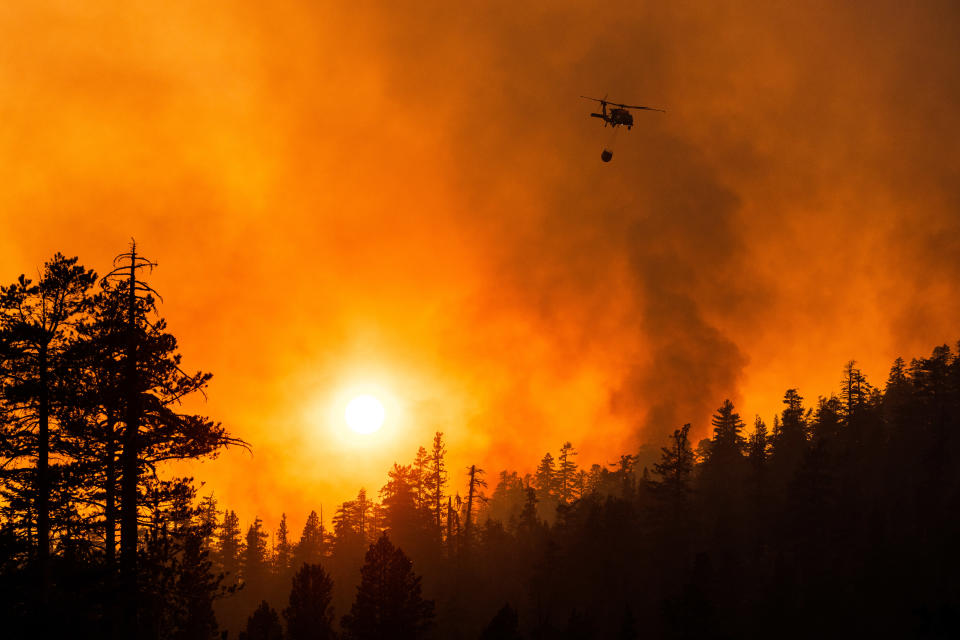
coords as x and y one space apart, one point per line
129 475
110 499
467 527
473 496
43 478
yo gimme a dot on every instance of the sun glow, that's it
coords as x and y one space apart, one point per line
359 412
364 414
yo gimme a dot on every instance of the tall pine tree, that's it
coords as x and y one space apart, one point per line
309 615
388 603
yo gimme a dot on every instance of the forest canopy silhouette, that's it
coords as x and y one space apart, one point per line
835 517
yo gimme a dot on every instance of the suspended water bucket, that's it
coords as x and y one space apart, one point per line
607 154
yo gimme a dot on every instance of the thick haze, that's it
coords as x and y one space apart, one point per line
409 200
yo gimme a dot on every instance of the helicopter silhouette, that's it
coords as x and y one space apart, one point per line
618 115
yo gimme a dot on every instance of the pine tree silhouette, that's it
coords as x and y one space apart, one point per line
419 479
789 439
230 547
566 474
37 324
283 549
263 624
388 602
507 499
310 547
437 478
674 469
309 615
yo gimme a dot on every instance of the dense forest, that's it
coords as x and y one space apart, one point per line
838 518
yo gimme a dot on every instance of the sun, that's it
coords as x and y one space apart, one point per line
364 414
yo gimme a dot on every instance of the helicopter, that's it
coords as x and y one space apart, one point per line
618 115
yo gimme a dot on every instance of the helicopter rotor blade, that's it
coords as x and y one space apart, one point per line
625 106
633 106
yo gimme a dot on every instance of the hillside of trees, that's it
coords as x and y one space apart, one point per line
840 517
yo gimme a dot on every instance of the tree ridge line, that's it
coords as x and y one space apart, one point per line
840 518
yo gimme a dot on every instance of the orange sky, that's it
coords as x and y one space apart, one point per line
358 195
